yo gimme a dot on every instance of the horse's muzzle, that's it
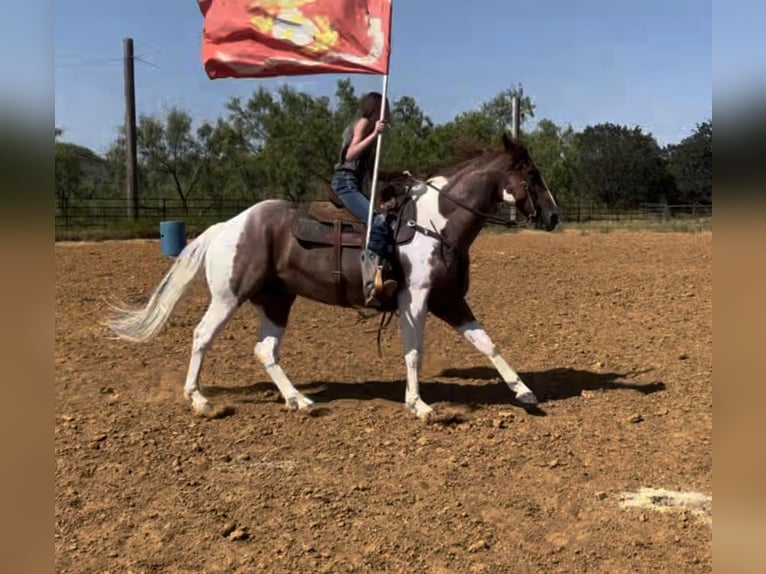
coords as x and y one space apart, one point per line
547 221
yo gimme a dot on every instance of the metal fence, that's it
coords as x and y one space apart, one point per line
107 212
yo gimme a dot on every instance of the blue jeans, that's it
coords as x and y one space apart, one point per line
346 187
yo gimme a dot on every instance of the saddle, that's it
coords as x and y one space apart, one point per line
324 223
328 222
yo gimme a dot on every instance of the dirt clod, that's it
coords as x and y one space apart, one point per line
238 534
478 545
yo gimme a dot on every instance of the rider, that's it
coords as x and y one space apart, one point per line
353 174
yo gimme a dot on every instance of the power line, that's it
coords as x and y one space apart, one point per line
141 60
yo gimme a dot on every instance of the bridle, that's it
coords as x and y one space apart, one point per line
486 216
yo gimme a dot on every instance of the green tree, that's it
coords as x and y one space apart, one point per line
346 106
499 110
691 163
78 171
621 167
230 170
406 144
554 151
168 147
479 127
292 136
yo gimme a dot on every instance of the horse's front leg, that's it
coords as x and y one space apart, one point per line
458 315
412 312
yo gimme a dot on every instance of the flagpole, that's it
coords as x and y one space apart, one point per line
374 184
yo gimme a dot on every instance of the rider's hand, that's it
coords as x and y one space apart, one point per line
379 127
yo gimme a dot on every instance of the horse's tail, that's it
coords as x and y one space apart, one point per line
141 324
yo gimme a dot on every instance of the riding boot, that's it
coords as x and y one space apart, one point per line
376 288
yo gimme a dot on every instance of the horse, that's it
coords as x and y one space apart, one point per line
277 250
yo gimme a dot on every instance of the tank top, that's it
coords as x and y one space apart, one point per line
359 166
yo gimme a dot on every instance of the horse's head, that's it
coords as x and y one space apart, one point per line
527 190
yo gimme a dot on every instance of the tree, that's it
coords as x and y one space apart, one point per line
499 110
67 171
168 147
292 136
691 164
555 154
230 170
346 106
78 171
479 127
406 144
621 167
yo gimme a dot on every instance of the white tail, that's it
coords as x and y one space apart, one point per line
141 324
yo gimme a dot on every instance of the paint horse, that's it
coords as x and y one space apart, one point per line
258 256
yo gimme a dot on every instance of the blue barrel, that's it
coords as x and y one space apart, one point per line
172 237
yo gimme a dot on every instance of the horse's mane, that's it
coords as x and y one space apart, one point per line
468 155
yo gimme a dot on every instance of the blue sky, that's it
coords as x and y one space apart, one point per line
583 62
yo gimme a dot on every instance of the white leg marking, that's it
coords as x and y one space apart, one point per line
476 334
219 261
413 311
217 315
267 352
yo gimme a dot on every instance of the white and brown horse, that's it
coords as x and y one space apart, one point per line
257 256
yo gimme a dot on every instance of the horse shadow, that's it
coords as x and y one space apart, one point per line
485 388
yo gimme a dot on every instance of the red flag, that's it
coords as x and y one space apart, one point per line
262 38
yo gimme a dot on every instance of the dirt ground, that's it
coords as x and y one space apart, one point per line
613 331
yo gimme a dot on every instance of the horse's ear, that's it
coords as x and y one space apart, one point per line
513 147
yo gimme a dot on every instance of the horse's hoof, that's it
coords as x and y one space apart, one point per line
420 410
528 399
202 409
210 411
426 417
300 403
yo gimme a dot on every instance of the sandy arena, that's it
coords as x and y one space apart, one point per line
613 332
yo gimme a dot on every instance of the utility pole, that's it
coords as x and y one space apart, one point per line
130 128
515 117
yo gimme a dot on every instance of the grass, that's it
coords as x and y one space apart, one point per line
678 225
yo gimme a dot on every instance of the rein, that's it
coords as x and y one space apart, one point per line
486 216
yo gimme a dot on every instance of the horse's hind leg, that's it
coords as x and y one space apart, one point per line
223 304
273 313
217 315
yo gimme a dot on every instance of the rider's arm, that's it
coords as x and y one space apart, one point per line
358 142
